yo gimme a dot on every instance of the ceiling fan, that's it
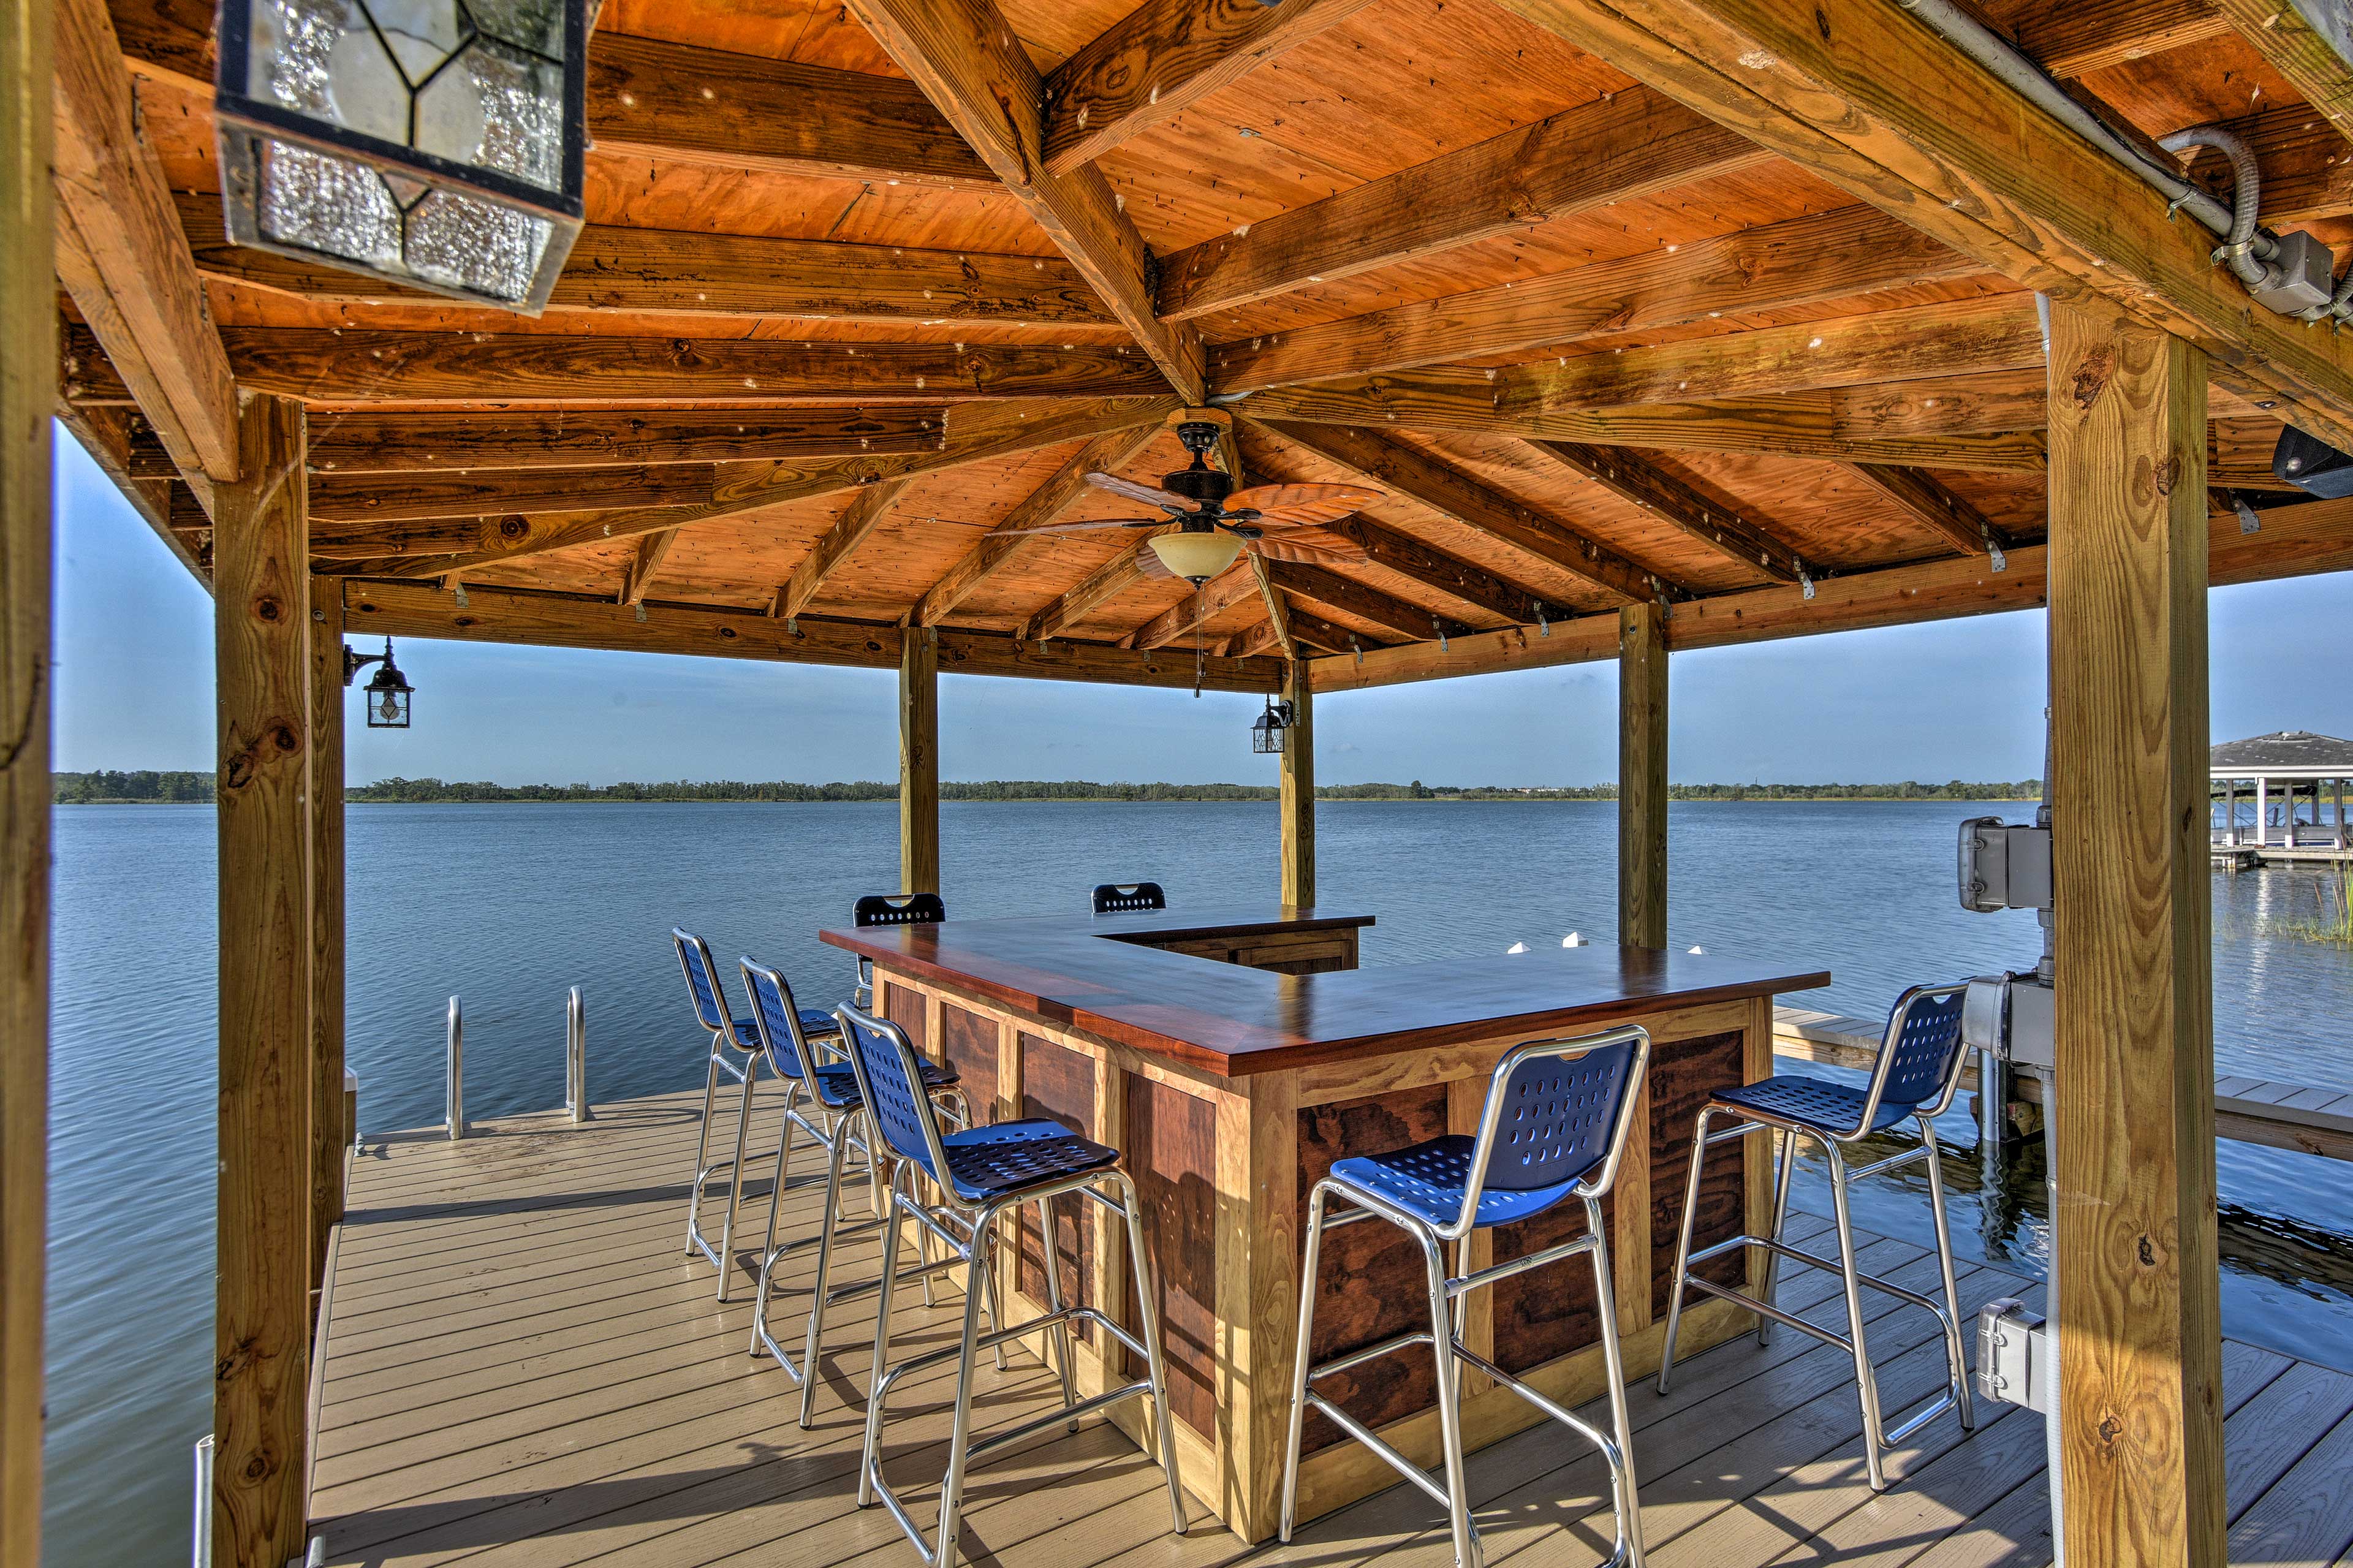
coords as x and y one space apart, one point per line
1207 524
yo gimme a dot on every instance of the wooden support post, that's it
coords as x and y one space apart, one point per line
1298 793
329 1138
28 395
262 585
919 759
2139 1307
1642 775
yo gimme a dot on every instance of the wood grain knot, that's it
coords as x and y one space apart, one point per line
2092 377
513 528
727 634
2168 474
2147 1253
286 738
267 608
2110 1430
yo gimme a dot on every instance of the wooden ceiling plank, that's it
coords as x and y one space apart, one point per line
1929 501
1220 594
1447 574
1632 144
963 56
1423 480
1630 477
1313 631
997 549
2307 174
977 433
1801 261
1162 58
2080 36
1869 98
363 499
571 620
1267 636
327 365
1106 582
674 103
120 255
858 520
670 273
644 563
365 441
1337 594
2310 42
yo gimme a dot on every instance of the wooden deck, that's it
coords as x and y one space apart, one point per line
522 1367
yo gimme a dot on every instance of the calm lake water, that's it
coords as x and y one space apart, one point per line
508 905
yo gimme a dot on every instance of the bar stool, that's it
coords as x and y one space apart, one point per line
1917 1075
730 1037
1555 1126
831 1089
1111 898
889 910
984 1174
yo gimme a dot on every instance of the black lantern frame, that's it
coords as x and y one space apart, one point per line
1268 730
388 691
274 149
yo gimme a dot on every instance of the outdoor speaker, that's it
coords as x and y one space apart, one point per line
2311 466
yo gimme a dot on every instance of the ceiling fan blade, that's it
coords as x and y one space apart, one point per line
1288 547
1303 503
1087 527
1149 495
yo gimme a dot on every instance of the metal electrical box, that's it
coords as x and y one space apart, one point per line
2018 1356
2004 866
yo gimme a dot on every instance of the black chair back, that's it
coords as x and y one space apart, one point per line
898 910
1111 898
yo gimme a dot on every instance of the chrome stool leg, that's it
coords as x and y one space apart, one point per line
1959 1369
1868 1386
959 1426
1053 1298
867 1462
702 1152
736 1174
1299 1363
1683 1251
1449 1402
815 1329
1786 1170
768 1253
1624 1495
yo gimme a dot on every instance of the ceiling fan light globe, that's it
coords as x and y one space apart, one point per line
1197 557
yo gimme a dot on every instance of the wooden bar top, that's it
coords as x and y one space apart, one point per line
1236 1021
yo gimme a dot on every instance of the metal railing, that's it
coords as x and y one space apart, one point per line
576 1065
455 1116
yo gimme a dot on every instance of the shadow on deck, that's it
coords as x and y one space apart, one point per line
523 1367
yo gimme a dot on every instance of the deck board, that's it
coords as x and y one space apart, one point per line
524 1367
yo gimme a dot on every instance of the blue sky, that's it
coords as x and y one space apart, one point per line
1956 700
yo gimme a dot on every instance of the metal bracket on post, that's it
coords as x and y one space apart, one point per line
455 1116
575 1057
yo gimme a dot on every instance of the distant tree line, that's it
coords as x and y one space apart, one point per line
113 786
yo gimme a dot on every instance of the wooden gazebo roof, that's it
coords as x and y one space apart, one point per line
1657 302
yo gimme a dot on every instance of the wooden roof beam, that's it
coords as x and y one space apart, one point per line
329 365
1866 96
1801 261
2076 37
643 564
1425 480
673 103
445 440
339 499
1162 58
1313 630
977 433
1630 477
997 549
1278 610
1233 587
1334 594
539 618
963 55
676 273
858 520
2310 42
1927 499
121 256
1447 574
1098 587
1629 145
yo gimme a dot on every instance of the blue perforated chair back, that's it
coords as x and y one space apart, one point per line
898 910
1559 1116
778 1021
1111 898
702 981
886 1079
1921 1050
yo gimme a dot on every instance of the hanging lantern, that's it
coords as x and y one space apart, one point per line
435 144
1268 729
388 690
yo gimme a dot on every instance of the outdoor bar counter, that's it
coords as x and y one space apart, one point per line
1234 1053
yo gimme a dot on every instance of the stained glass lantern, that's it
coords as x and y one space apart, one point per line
388 690
435 144
1268 729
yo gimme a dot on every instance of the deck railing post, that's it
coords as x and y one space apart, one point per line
575 1057
456 1113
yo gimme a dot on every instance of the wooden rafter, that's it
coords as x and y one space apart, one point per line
1867 96
1105 582
121 253
2310 42
674 103
977 433
367 441
1334 594
1630 477
859 519
1278 610
1213 598
963 54
1927 499
324 365
1313 631
569 620
1801 261
2080 36
1435 568
403 498
643 563
1424 480
1002 544
1629 145
671 273
1159 60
